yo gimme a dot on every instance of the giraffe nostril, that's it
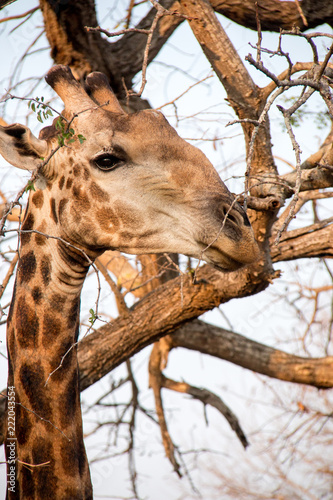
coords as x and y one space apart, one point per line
232 218
246 220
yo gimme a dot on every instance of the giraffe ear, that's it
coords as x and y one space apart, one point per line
20 147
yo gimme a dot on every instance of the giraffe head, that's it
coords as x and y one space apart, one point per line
132 184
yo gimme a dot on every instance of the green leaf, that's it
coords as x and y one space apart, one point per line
33 107
93 316
58 124
81 138
30 187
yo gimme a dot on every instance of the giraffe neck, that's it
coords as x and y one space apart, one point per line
44 323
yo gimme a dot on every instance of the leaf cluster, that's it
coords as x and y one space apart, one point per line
42 109
67 134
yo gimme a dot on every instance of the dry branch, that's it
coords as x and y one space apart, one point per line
233 347
309 242
222 55
156 383
208 398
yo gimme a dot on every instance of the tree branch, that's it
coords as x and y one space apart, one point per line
156 383
226 62
311 241
208 398
275 15
237 349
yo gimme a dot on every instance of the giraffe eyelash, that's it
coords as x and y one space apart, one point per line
107 162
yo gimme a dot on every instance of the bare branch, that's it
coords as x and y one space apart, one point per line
208 398
156 383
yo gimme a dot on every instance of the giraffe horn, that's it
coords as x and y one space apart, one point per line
61 79
101 92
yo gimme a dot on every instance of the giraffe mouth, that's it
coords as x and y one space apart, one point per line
220 260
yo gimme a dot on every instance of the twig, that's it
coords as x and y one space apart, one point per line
19 16
111 34
30 99
301 13
208 398
160 13
185 92
296 148
134 404
129 13
155 382
259 33
261 120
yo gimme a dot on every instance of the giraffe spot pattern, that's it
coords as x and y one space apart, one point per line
51 330
27 267
22 431
46 480
27 478
27 324
38 199
69 460
86 174
27 226
76 191
81 197
82 457
57 301
69 401
64 354
69 182
46 269
76 171
33 382
98 193
40 239
53 210
62 205
107 219
61 182
36 294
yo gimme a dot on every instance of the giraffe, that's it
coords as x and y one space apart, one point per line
132 185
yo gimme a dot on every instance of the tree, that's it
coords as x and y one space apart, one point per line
171 294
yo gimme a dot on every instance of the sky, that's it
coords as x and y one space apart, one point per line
267 318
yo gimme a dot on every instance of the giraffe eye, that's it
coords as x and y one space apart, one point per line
108 162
